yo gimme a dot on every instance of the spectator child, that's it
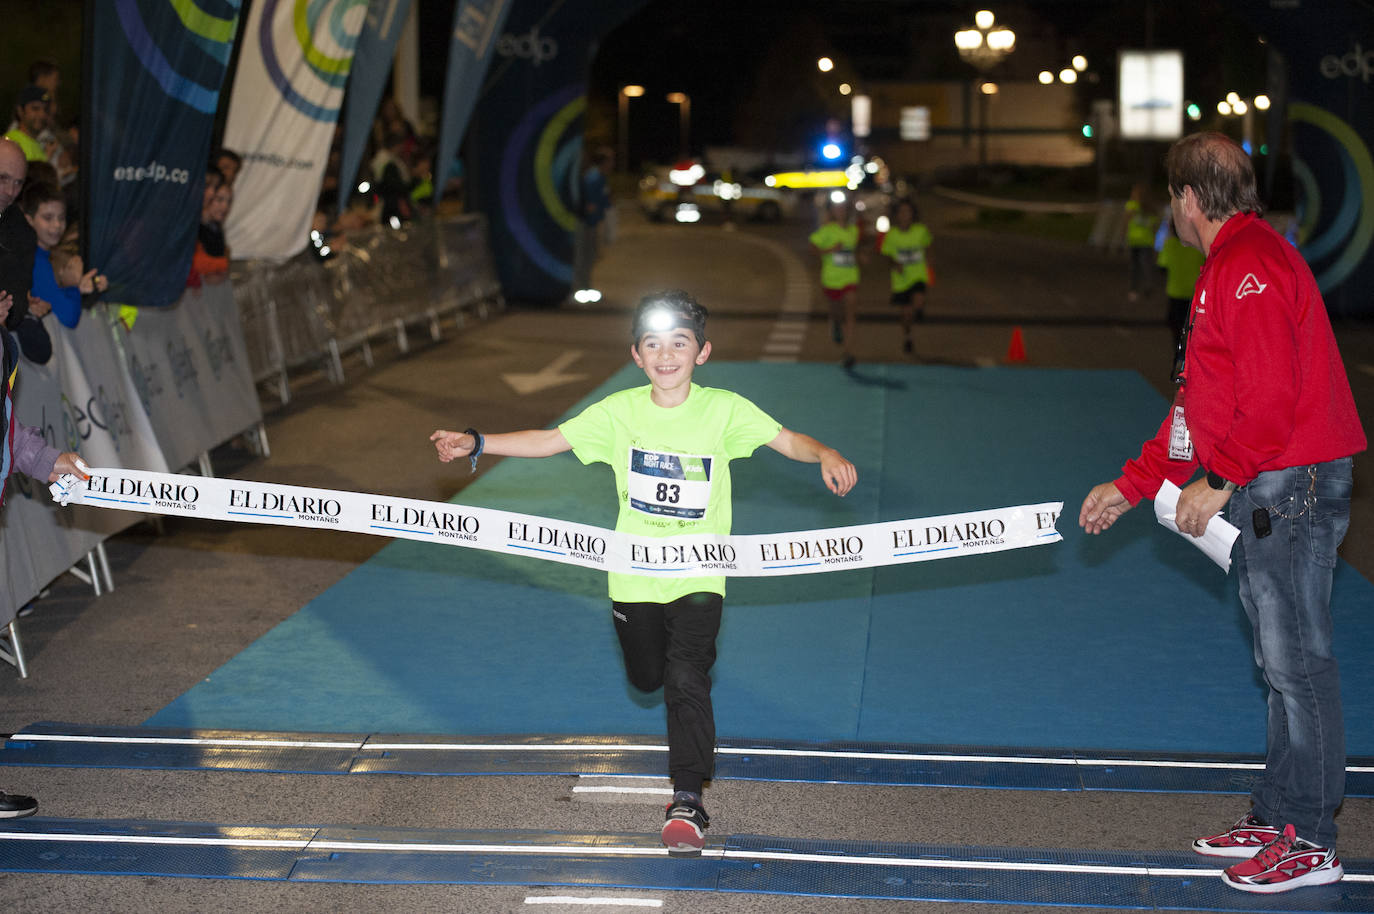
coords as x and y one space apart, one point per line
210 262
46 212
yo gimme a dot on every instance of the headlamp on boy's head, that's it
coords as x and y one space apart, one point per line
669 311
659 320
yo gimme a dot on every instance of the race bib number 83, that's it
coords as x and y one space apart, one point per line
669 485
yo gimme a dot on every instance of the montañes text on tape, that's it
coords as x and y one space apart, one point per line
748 555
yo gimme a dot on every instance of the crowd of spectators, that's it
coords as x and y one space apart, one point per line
41 269
36 124
394 185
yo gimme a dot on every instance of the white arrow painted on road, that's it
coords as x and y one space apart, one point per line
551 375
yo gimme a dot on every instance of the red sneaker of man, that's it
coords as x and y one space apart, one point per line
1287 862
1244 839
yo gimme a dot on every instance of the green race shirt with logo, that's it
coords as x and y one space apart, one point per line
672 470
908 248
839 269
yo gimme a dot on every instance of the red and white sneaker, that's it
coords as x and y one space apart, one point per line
1287 862
683 829
1244 839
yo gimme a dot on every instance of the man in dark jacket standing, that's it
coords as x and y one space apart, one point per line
21 447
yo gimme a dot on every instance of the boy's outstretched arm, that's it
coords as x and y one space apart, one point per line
838 474
534 442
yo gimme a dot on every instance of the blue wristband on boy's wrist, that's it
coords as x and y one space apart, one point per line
476 448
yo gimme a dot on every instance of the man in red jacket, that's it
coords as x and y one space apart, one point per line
1264 409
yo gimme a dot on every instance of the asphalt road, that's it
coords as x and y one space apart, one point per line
196 594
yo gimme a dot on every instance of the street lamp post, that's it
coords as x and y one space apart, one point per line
684 103
1235 106
626 93
984 46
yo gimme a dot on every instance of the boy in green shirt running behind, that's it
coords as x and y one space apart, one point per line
905 245
836 243
670 445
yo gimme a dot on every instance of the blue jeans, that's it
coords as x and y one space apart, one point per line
1285 586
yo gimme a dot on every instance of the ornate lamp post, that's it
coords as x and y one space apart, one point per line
984 46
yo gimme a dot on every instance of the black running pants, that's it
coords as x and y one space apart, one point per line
673 646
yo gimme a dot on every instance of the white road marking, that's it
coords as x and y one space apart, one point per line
595 900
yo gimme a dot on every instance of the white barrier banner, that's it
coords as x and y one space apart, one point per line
292 68
751 555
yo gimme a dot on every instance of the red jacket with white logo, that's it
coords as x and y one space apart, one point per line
1264 387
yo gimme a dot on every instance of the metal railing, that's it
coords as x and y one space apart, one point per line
308 312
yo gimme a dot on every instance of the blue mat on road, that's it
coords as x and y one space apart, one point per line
1132 640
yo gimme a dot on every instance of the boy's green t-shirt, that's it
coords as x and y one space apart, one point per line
839 269
672 470
908 248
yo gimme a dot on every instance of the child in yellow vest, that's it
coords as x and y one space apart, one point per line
837 244
1142 221
905 246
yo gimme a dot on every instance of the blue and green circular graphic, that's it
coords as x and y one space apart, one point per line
544 149
308 54
212 34
1347 232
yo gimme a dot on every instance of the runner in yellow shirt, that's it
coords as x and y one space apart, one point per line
1182 266
836 242
1142 221
906 246
670 443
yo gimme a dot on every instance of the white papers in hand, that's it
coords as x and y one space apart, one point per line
1215 542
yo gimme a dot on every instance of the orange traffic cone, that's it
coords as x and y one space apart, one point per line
1016 352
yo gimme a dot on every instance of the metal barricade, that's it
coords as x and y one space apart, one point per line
382 283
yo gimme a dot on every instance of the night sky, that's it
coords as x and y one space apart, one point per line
743 60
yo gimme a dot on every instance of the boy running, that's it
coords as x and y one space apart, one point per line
670 445
837 244
905 246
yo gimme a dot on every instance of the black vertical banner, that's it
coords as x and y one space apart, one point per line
152 74
1329 48
527 138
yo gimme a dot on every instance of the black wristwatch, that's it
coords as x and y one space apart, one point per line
1219 483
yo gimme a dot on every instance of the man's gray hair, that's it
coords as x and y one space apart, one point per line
1219 172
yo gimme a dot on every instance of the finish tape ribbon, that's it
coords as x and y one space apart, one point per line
697 555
